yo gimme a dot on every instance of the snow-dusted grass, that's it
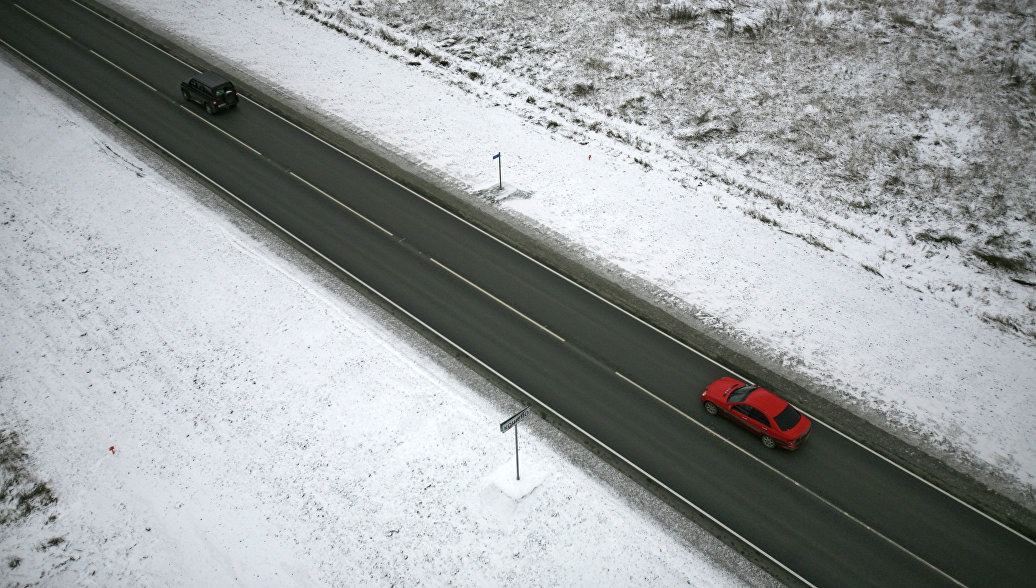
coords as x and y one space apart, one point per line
883 121
186 401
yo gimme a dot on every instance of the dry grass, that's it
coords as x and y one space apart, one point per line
872 270
761 217
916 108
1011 264
813 241
21 494
581 89
684 13
915 117
940 239
1009 324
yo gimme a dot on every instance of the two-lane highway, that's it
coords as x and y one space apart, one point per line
831 514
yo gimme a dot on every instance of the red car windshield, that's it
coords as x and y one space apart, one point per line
740 394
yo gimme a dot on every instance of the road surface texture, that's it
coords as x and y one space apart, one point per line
832 514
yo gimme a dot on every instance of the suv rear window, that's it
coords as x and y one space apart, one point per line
788 418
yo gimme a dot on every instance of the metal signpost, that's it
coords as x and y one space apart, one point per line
513 422
500 169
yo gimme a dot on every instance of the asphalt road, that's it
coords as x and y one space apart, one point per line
831 514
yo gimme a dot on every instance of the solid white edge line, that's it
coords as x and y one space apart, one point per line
142 82
505 244
52 27
645 323
420 322
340 203
506 305
788 478
919 478
417 320
141 39
508 246
580 286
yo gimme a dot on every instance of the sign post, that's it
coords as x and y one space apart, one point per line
500 169
513 422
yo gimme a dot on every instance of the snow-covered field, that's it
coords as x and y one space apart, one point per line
271 427
854 305
186 401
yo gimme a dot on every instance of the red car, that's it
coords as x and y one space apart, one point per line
760 411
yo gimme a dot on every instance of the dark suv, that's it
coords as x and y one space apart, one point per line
211 90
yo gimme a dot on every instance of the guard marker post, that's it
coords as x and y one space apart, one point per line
513 422
500 172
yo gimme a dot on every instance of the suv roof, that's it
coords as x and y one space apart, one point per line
211 79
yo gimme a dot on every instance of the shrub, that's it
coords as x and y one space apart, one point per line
683 13
21 493
1008 324
52 542
384 34
902 20
419 51
938 239
39 496
813 241
1011 264
582 89
872 270
762 217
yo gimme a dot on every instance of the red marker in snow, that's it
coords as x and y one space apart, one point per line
112 449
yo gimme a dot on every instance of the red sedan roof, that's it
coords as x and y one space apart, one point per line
767 402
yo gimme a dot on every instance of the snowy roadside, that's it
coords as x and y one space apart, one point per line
912 361
208 408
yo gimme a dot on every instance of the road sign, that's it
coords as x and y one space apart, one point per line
513 422
504 426
500 169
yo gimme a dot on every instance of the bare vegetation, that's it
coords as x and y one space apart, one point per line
911 107
916 117
761 217
580 89
944 238
1011 264
21 494
684 12
1008 324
